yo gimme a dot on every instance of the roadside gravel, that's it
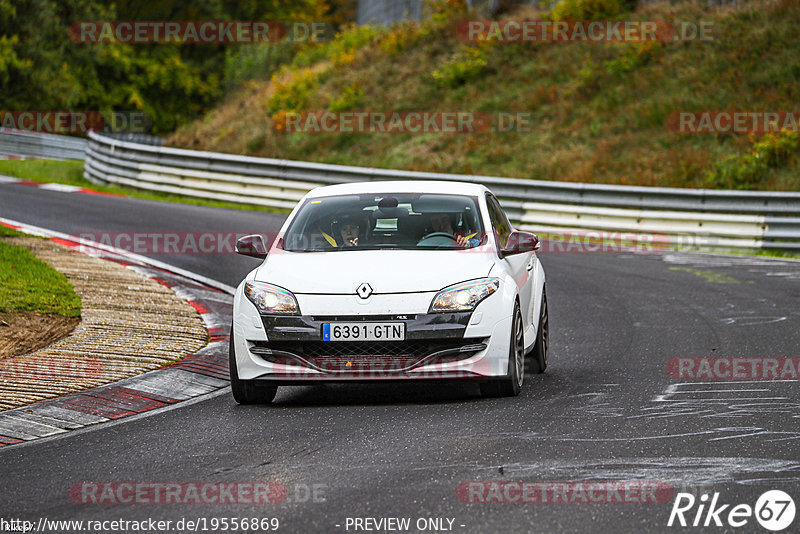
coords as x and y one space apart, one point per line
130 324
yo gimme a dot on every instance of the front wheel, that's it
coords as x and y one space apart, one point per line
510 385
247 391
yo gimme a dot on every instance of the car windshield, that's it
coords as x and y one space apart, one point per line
389 220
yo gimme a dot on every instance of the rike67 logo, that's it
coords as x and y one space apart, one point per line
774 510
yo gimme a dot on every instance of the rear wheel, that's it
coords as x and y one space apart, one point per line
247 391
537 359
510 385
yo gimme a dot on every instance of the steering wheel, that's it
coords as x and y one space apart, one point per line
439 234
434 235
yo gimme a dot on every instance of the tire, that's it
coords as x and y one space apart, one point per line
247 391
537 359
511 384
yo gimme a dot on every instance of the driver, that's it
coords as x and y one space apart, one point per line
441 222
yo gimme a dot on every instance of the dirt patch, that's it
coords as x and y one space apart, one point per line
24 332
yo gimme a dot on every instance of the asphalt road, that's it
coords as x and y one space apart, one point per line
606 410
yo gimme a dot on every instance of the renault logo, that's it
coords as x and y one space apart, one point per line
364 290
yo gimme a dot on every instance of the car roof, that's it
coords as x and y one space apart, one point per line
400 186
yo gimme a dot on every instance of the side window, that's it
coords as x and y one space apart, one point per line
500 224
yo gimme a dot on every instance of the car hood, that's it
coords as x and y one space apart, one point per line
386 271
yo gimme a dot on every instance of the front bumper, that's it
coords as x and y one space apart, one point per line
434 348
289 349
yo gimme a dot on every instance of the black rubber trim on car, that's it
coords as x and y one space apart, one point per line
466 351
419 326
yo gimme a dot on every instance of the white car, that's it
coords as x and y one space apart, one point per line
406 280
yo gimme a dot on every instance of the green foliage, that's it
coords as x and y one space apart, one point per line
294 94
633 57
778 150
773 151
338 50
443 12
41 68
311 64
400 37
439 20
351 98
598 112
256 143
462 67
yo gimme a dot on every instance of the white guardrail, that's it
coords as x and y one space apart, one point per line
694 218
22 144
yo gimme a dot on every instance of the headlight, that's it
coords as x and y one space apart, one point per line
271 299
464 296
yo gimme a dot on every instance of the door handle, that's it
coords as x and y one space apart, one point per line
530 265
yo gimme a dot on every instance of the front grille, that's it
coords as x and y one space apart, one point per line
369 356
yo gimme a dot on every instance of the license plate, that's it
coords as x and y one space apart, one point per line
363 331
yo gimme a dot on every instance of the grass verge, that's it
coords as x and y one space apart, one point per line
29 284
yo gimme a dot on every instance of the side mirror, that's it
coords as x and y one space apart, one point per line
520 242
253 246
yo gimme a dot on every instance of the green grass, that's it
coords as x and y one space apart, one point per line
44 170
9 232
71 173
29 284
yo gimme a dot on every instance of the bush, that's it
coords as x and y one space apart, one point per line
341 48
442 12
461 68
586 9
351 98
634 56
399 37
773 151
778 150
294 94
